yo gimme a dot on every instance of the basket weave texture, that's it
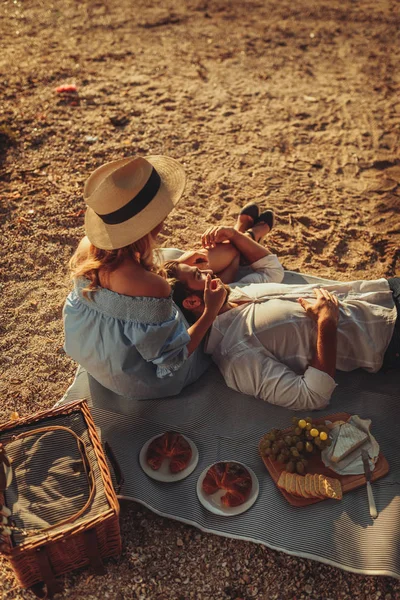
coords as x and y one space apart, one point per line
38 555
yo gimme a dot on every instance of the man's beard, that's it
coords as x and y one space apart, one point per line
227 289
228 292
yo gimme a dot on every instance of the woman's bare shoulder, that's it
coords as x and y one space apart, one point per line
136 281
82 251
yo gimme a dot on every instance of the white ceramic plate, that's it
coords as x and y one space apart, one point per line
212 502
163 473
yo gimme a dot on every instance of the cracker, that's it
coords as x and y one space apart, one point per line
315 486
298 486
330 487
319 485
308 485
289 483
302 483
282 480
293 484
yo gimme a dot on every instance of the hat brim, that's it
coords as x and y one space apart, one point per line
112 237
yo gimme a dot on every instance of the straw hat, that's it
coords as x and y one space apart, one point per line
128 198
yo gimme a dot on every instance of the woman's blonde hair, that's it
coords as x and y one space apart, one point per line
87 264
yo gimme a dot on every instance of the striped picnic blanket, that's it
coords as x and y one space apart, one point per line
227 425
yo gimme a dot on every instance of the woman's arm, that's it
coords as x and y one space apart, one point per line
198 330
214 298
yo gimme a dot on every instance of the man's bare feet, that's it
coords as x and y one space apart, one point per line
260 230
243 223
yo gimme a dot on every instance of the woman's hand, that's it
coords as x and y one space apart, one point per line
214 298
326 308
214 295
216 235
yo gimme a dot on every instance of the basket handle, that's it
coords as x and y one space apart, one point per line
6 474
86 462
93 552
49 584
120 479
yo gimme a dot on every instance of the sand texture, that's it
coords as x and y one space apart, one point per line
292 104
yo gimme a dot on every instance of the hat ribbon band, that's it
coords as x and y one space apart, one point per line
137 204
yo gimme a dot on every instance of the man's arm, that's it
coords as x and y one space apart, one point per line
325 312
229 273
325 355
248 248
254 371
264 267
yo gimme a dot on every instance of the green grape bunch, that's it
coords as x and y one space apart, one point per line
292 446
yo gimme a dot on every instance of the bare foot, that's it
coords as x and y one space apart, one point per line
260 230
243 223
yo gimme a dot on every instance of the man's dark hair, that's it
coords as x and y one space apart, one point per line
171 268
180 291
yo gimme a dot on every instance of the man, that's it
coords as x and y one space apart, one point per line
281 342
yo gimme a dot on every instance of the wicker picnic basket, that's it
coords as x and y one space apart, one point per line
64 509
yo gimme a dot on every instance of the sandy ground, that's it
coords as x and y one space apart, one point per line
294 104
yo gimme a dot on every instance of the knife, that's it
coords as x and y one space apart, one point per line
367 470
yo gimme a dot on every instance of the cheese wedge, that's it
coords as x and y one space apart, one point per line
349 439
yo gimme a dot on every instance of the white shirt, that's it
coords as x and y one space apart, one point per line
264 347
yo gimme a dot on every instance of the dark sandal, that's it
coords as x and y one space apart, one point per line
267 217
251 210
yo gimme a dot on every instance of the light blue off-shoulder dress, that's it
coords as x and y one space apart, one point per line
134 346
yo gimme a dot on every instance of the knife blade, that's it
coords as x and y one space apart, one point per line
367 470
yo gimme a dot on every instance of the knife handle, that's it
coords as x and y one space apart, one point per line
372 507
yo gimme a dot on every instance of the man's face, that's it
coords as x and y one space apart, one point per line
193 277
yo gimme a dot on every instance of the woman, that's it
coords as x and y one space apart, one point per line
120 321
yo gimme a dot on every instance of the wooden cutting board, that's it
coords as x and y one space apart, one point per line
315 465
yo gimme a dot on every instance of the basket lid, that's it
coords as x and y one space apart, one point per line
50 483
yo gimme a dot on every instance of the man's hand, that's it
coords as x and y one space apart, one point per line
193 257
214 295
325 312
216 235
326 308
